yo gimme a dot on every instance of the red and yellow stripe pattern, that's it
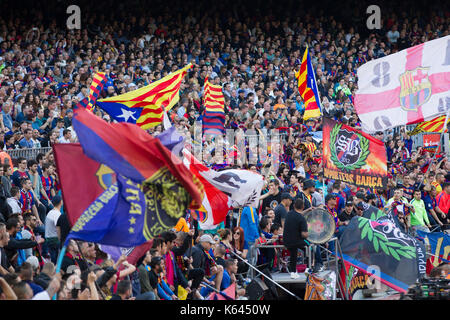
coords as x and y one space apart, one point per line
96 87
214 115
434 125
307 87
151 99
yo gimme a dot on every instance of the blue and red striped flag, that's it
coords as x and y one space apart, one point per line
97 84
214 114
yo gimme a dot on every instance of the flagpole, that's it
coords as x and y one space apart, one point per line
444 127
320 109
315 79
62 253
82 257
264 275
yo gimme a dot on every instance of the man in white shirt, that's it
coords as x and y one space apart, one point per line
67 136
14 202
51 233
298 166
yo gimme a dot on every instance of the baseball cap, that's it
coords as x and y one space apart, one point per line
286 195
360 205
207 238
349 203
308 183
329 197
361 195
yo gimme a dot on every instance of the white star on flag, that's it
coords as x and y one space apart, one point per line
127 114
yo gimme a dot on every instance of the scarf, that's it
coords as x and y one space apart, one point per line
170 268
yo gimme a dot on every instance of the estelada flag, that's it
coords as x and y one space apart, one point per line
352 156
82 178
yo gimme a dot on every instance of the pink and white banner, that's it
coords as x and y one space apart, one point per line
406 87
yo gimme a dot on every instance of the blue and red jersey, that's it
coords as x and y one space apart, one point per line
27 200
48 184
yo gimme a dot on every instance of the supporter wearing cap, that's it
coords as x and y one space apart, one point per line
348 213
202 257
360 196
359 208
306 194
282 209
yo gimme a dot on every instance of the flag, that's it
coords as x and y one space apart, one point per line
431 142
214 114
227 294
82 179
145 106
153 188
308 88
352 156
133 254
320 288
434 125
74 166
379 248
406 87
353 279
97 85
439 244
215 205
172 140
223 190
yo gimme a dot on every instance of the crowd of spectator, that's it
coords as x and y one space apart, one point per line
252 50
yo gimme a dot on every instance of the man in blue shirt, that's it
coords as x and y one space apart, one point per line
26 141
7 119
249 223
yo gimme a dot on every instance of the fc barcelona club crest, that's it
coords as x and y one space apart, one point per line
349 150
105 176
415 88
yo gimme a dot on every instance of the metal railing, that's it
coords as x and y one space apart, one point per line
27 153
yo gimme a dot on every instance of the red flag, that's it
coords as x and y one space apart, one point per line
216 204
83 178
230 292
352 156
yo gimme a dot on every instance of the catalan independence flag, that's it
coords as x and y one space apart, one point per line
144 106
214 114
434 125
308 88
97 85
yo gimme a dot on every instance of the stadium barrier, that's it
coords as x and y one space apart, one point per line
27 153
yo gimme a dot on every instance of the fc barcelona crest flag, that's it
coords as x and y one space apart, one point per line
407 87
352 156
